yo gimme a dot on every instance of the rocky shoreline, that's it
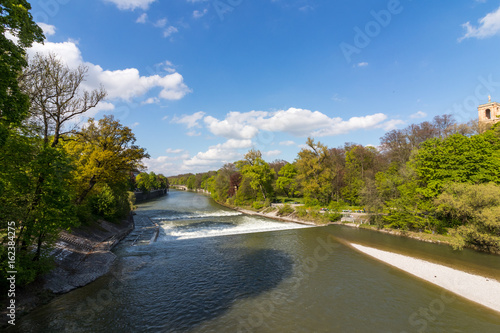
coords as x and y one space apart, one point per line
80 257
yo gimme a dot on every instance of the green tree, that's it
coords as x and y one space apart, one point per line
475 211
258 172
105 152
287 181
314 174
16 21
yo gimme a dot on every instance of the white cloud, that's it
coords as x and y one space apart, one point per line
189 120
362 64
197 14
391 124
142 19
231 127
131 4
488 27
173 151
419 114
193 133
226 152
160 23
151 100
120 84
170 31
48 30
297 122
287 143
134 125
272 153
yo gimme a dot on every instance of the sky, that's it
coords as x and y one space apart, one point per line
201 82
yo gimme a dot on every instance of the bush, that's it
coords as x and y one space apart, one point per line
257 205
286 209
333 217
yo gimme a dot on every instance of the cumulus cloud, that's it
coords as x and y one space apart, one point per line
294 121
226 152
173 151
488 27
287 143
120 84
189 120
131 4
48 30
419 114
272 153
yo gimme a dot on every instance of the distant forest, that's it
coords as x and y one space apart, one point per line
433 177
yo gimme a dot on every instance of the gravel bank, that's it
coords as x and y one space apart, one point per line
479 289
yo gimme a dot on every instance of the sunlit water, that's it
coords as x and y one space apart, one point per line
259 275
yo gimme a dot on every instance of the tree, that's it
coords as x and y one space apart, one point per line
56 96
105 152
258 172
16 21
314 175
475 210
286 181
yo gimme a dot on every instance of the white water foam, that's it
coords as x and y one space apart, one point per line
244 225
196 215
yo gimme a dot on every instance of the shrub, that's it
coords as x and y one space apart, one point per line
286 209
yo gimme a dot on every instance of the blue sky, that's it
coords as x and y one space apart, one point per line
203 81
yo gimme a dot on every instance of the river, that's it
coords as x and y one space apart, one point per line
216 270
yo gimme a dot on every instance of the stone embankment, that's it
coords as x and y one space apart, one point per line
143 196
85 254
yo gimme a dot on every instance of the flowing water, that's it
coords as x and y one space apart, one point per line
216 270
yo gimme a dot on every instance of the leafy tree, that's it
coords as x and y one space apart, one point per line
16 21
287 181
457 159
314 175
475 209
56 96
105 152
258 172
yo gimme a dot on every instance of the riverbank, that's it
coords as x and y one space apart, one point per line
479 289
80 257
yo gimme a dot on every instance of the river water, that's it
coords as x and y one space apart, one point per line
216 270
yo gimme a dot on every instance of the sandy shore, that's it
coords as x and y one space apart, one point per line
479 289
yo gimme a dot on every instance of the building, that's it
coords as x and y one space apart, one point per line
489 113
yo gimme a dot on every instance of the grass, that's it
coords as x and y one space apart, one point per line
283 199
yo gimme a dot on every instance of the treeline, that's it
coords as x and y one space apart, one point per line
147 182
433 177
54 175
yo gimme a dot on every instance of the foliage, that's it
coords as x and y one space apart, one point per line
287 181
285 209
476 211
15 21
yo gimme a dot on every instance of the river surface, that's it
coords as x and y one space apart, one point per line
216 270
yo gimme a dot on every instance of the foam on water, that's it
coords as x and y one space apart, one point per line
202 228
195 215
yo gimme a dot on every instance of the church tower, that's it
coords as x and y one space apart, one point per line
489 113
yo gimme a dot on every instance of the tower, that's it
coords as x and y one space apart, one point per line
489 113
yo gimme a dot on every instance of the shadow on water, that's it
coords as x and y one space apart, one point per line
214 282
172 289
